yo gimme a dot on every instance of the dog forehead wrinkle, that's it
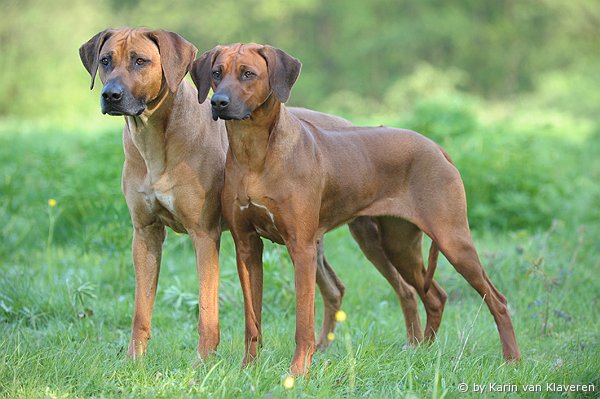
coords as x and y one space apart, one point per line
242 48
126 38
238 48
116 45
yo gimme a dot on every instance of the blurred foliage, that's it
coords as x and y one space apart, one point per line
498 48
510 88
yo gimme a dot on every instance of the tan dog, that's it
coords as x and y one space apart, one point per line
173 176
291 181
167 181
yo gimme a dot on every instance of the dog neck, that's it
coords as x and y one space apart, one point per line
249 139
148 131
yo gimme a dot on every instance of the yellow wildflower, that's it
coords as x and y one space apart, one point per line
340 315
288 382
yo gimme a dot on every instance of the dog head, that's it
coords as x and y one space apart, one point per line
243 77
135 66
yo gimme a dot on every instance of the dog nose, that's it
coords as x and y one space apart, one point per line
219 101
112 92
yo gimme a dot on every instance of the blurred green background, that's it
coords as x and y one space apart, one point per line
510 88
357 54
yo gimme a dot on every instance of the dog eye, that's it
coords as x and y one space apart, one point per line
248 74
140 61
216 75
104 60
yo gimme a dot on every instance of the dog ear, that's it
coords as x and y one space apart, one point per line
89 52
176 56
201 72
283 71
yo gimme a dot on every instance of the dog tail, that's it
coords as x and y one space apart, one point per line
431 265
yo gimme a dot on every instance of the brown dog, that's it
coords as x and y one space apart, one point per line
173 176
292 181
166 182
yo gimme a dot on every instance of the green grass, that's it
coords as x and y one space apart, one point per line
66 298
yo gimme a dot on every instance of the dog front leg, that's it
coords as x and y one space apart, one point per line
147 250
304 258
248 248
206 246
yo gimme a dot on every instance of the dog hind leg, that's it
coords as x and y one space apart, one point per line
366 233
332 290
402 244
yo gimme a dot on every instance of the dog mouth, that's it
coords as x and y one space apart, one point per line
228 117
114 111
127 105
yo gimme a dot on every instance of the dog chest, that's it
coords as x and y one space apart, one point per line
161 203
262 219
156 199
167 200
